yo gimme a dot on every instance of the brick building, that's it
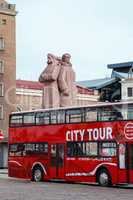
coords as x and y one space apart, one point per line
29 95
7 71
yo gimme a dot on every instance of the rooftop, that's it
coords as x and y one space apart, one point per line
97 83
29 84
120 75
120 65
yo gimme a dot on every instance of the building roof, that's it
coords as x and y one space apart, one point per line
120 65
97 83
120 75
29 84
35 85
84 90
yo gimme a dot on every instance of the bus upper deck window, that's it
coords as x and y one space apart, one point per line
16 120
43 118
29 119
53 117
61 116
130 111
74 115
90 114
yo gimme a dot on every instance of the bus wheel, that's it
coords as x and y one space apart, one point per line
103 178
37 174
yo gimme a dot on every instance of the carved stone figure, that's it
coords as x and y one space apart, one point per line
66 82
51 96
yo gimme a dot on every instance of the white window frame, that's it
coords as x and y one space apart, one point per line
2 43
2 112
2 66
2 89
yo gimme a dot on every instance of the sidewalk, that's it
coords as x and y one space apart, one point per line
3 171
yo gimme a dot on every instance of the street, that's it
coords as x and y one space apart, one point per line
16 189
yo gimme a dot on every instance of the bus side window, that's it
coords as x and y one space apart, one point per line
16 120
74 116
16 149
36 148
91 149
70 149
53 115
61 117
90 114
106 114
82 149
109 113
107 149
29 119
13 149
130 111
42 118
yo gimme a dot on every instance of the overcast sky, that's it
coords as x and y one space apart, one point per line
94 32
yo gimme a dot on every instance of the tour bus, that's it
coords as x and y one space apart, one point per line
77 144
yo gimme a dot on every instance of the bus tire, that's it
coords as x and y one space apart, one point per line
103 178
37 174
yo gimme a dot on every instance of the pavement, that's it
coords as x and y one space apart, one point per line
20 189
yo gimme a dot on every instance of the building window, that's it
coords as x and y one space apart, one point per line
3 22
1 66
1 112
1 90
130 91
2 43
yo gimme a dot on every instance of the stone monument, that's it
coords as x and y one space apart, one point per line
66 82
59 82
51 96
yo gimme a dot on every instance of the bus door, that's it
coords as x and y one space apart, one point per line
129 163
57 161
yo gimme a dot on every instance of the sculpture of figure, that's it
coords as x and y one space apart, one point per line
66 82
51 97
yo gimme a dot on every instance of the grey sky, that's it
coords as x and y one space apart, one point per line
95 32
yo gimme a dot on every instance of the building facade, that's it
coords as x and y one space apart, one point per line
124 73
118 87
127 89
29 95
7 71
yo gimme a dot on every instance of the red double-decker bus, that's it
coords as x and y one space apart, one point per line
79 144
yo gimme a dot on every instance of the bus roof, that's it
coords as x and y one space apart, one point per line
74 107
